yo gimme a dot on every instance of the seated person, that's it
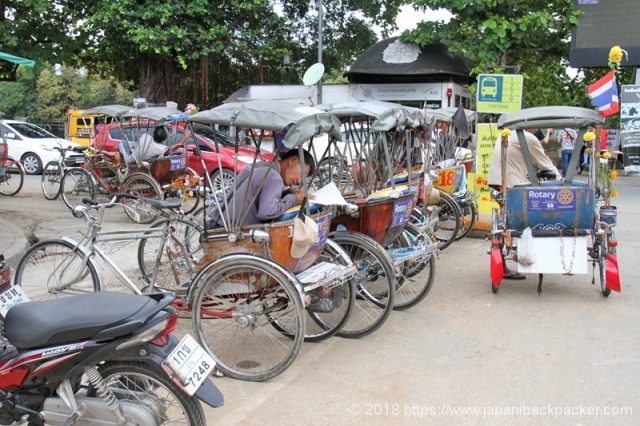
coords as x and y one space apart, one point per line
260 198
150 147
516 172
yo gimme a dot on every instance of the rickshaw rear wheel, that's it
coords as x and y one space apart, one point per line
602 265
412 286
143 186
326 324
448 224
235 301
374 284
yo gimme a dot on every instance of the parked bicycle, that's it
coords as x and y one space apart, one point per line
11 172
54 171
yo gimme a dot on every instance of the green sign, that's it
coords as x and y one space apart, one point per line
499 93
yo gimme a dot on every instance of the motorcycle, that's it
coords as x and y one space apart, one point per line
99 359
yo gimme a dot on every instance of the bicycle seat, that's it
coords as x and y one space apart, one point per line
70 319
163 204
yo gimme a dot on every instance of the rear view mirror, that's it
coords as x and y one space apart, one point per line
10 135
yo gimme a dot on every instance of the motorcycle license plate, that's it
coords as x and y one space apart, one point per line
10 298
190 364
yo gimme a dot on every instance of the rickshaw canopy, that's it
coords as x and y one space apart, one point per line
302 122
110 110
387 115
157 114
551 117
446 114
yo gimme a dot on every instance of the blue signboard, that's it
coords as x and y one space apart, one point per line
551 199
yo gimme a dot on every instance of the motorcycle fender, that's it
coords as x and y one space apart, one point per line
155 355
612 272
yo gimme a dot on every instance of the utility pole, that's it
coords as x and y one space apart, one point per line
320 29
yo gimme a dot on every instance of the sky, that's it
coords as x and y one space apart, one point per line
409 18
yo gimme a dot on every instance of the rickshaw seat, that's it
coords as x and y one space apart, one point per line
293 212
388 193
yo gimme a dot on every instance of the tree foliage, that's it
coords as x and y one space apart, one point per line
42 30
532 35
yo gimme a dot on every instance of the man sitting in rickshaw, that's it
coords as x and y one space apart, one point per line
516 172
260 195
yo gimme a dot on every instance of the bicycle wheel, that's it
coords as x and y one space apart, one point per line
187 234
417 276
601 258
148 387
77 184
237 298
342 295
143 186
185 190
374 284
55 268
468 214
448 224
51 180
12 178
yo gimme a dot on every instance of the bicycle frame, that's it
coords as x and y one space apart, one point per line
96 235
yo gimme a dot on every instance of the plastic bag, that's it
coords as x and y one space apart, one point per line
526 251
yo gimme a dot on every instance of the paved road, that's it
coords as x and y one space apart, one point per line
464 356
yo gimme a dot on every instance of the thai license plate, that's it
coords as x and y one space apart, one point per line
190 364
11 298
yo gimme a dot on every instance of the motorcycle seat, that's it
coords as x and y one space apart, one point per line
73 319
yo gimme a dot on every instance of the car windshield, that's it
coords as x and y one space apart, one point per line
31 131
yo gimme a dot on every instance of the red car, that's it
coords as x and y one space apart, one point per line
219 164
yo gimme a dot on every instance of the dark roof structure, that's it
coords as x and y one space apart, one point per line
394 61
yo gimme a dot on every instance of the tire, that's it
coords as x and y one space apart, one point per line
322 325
602 265
32 163
143 186
416 277
468 211
222 180
374 284
55 263
237 298
146 380
51 181
187 195
448 224
13 179
77 184
187 234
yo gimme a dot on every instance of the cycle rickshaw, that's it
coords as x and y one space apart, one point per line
568 230
118 169
458 207
253 300
379 168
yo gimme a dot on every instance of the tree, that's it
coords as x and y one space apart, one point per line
532 34
42 30
192 51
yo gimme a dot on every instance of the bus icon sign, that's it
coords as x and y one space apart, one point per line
499 93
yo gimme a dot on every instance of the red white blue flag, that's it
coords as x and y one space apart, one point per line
604 95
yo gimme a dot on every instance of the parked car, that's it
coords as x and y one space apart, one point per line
108 137
34 146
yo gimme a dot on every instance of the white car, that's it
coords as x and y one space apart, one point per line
34 146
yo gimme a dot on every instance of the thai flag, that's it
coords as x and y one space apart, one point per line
604 95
